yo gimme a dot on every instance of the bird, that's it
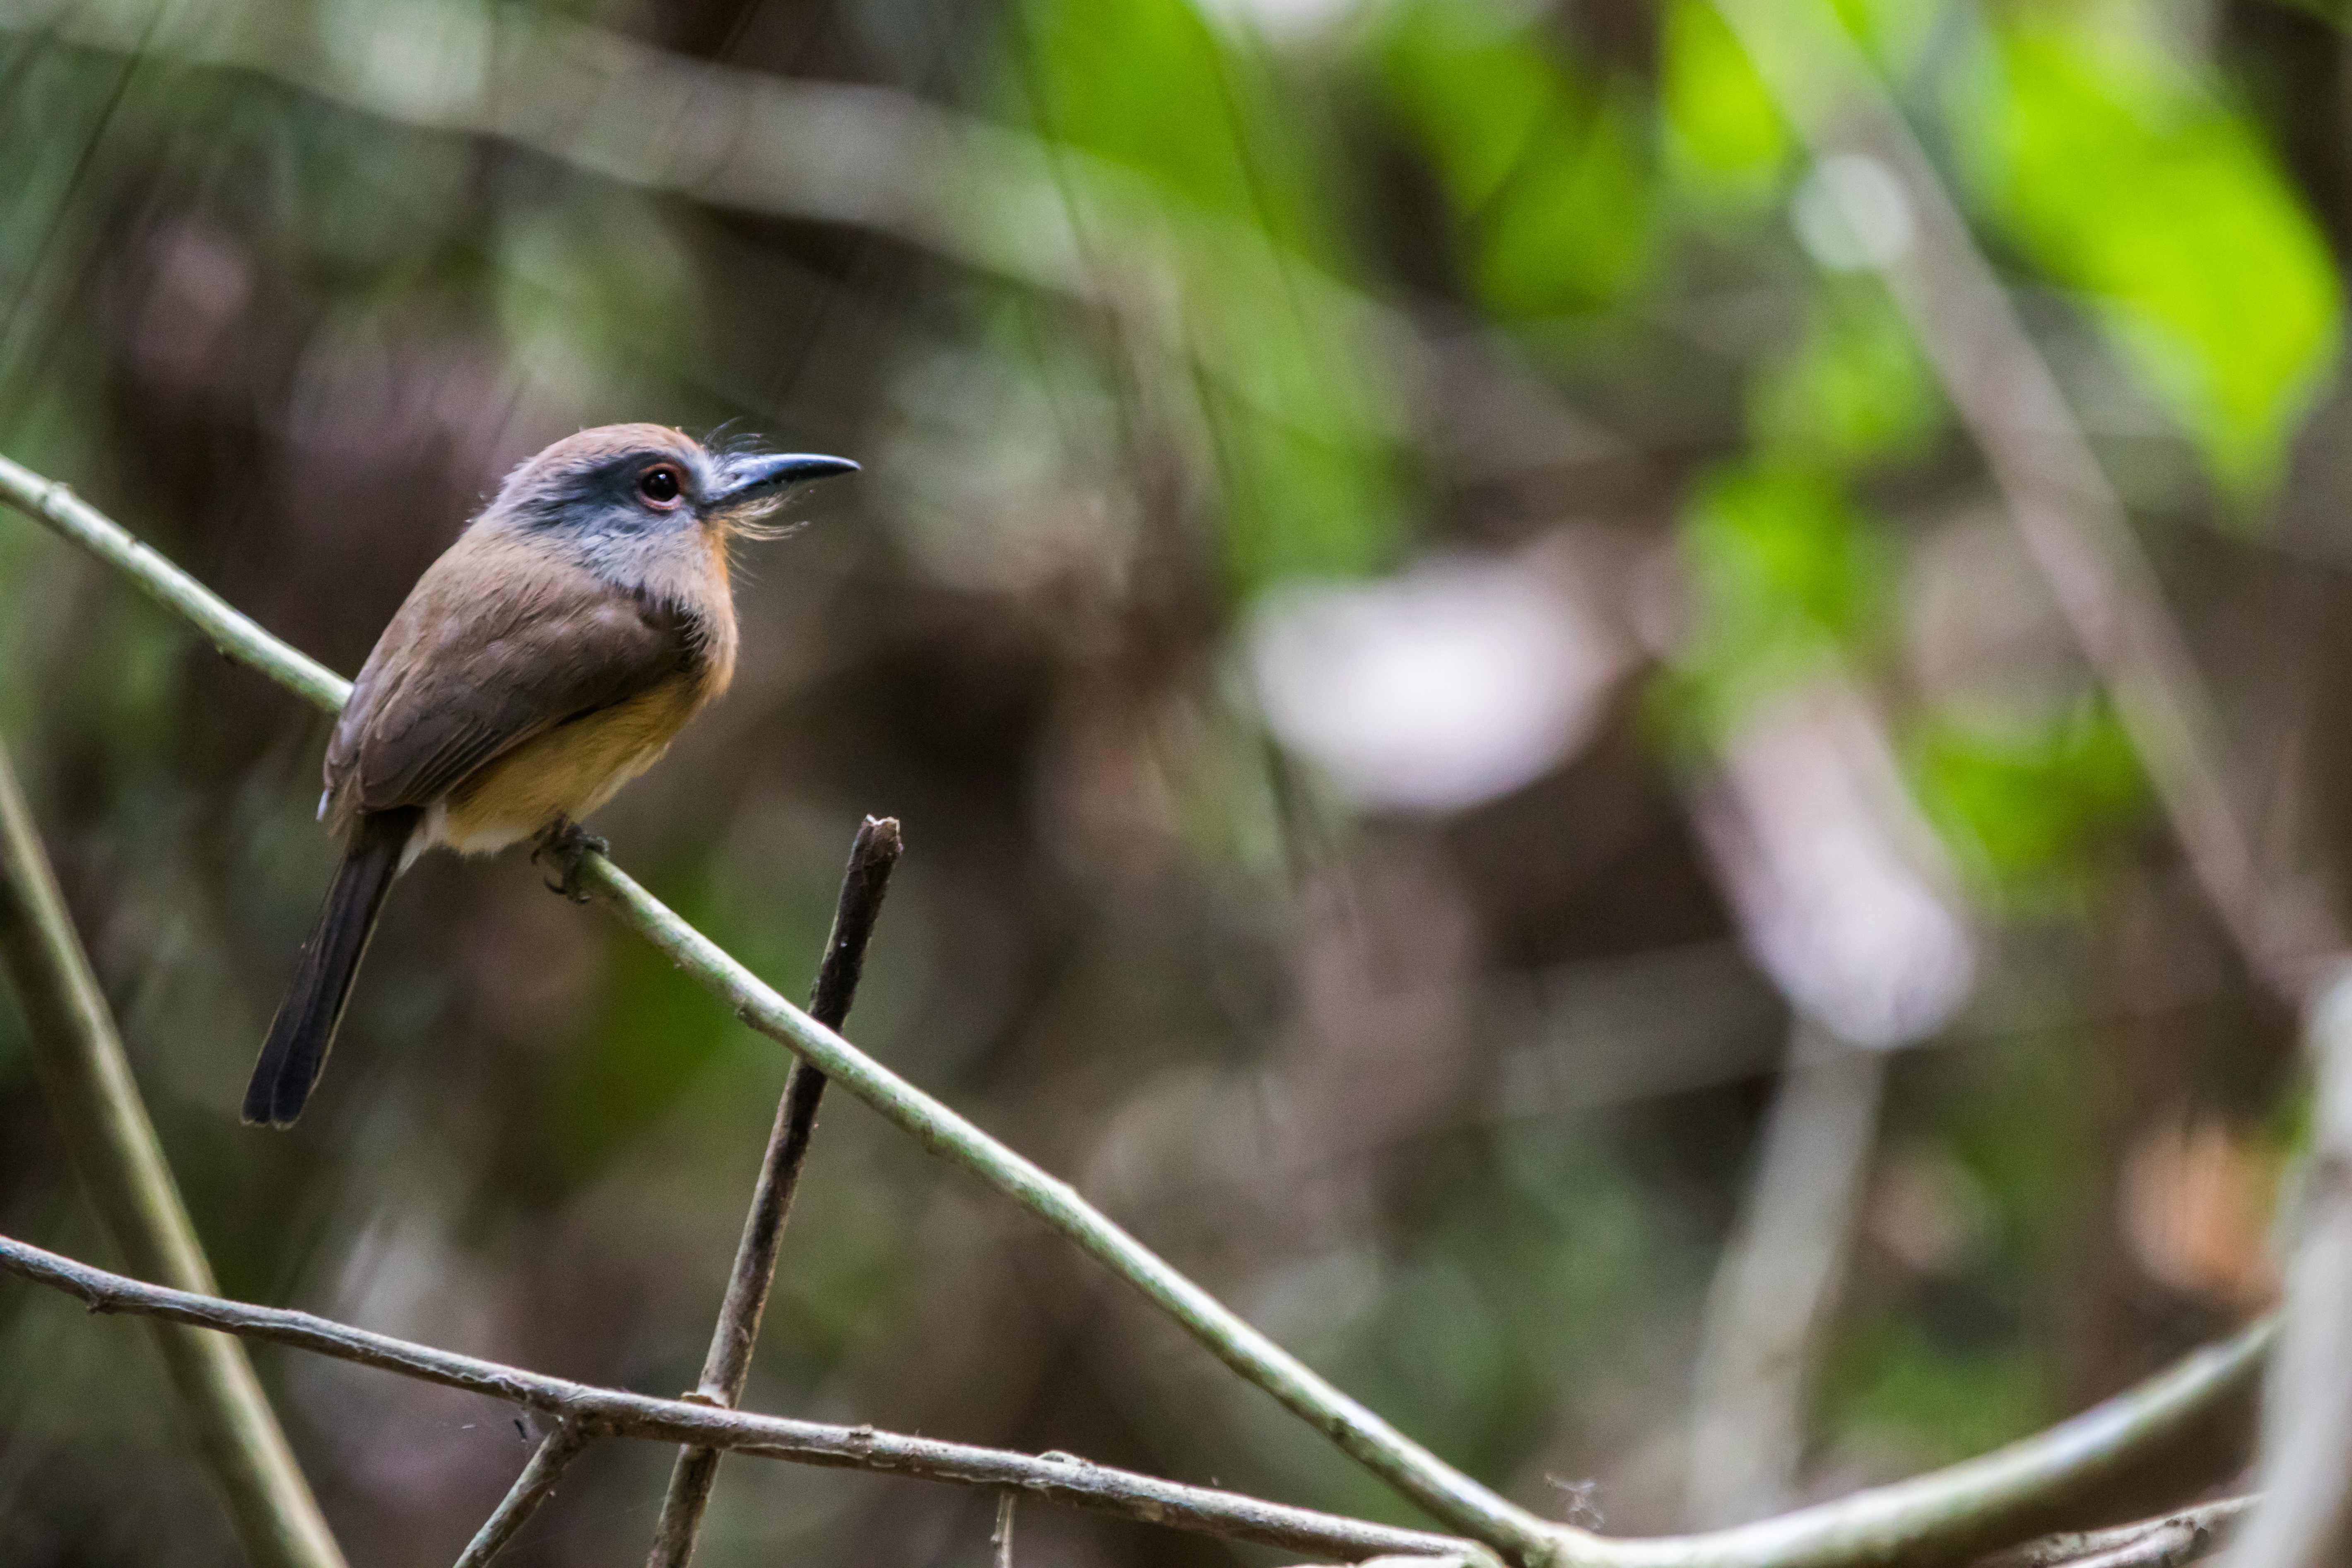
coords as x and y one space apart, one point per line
545 659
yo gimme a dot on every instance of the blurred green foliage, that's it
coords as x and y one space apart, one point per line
2029 803
1722 122
1547 170
2120 176
1789 582
1853 393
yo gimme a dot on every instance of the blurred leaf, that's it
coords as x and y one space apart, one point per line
1148 83
1854 391
1783 575
2121 178
1893 31
2023 804
1720 117
1300 414
1547 173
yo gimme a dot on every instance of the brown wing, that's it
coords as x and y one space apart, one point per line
488 652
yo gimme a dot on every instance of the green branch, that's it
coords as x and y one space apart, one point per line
1981 1503
78 1059
1446 1492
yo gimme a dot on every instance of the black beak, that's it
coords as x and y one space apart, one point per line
748 478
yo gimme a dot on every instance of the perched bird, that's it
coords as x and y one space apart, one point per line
546 659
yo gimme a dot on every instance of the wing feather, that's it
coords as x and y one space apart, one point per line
464 674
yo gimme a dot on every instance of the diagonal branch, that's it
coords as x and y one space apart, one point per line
607 1412
1977 1505
87 1080
872 854
1444 1491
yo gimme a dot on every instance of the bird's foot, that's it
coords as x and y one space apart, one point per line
570 845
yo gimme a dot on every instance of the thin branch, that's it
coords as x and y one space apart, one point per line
872 854
607 1412
1986 1502
2189 1535
229 630
1412 1469
533 1487
1973 1506
88 1082
1448 1494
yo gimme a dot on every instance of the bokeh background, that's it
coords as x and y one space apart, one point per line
1482 762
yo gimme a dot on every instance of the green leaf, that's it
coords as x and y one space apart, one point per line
1300 408
2024 800
2120 177
1549 175
1721 122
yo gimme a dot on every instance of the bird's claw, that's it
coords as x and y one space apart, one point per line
570 845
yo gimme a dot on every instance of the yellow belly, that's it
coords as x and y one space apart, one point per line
566 772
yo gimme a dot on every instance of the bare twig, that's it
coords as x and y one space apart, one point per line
872 854
1076 1483
2189 1535
1001 1538
1444 1491
1975 1503
533 1487
87 1079
1972 1506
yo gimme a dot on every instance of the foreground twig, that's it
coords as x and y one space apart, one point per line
533 1487
1000 1539
2187 1536
607 1412
1979 1505
872 854
87 1080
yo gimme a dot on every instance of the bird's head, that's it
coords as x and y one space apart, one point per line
640 483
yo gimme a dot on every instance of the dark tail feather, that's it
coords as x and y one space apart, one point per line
305 1026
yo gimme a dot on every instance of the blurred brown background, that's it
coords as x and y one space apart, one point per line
1428 621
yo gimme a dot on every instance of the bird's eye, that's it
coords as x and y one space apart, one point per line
660 485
